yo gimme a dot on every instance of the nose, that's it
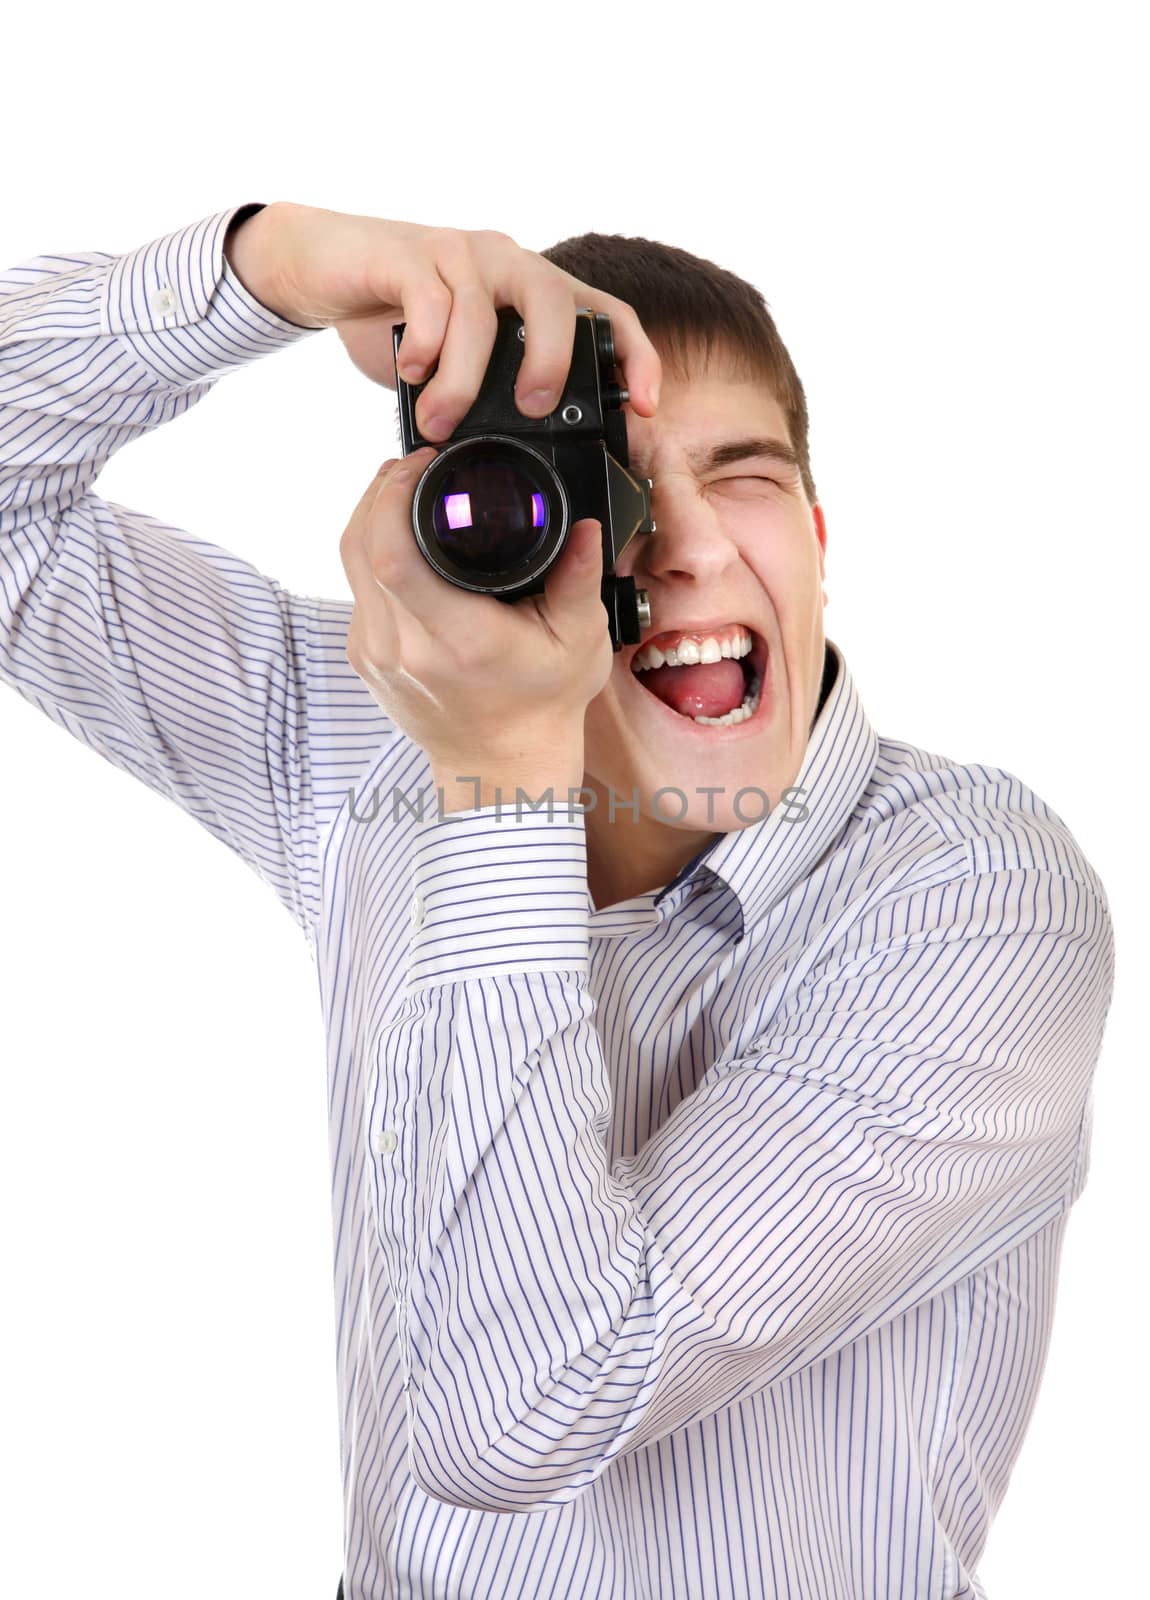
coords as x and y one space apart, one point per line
689 542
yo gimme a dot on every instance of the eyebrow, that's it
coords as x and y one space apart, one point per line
724 455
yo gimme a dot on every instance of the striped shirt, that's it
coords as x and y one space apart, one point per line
702 1245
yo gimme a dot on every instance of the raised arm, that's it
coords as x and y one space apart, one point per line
175 660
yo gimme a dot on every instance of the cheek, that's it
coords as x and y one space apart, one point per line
784 560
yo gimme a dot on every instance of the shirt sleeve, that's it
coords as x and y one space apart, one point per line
916 1105
174 660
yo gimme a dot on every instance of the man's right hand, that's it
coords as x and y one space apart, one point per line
362 275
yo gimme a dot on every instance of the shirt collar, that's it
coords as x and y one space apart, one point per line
761 863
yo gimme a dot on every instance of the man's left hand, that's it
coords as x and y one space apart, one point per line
486 689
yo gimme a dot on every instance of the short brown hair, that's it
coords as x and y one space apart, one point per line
689 306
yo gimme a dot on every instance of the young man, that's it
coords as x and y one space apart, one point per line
700 1166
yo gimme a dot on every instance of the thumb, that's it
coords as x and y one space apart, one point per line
579 571
587 537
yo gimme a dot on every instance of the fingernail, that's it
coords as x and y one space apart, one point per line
438 427
539 400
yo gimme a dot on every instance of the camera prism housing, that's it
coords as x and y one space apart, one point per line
493 510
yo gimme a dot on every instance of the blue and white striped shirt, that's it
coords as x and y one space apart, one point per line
702 1245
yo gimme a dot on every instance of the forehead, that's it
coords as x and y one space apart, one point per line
698 413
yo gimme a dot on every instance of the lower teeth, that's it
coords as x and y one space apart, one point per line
740 713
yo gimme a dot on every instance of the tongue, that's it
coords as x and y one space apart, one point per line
709 690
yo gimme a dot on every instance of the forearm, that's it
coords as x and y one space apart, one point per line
251 251
117 361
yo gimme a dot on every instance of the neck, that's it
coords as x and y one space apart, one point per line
629 856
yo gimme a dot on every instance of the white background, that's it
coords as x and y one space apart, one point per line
942 207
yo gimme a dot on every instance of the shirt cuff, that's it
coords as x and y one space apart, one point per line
184 312
499 892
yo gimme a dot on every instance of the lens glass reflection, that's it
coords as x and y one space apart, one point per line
488 515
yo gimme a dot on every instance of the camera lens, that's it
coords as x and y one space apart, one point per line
490 512
488 515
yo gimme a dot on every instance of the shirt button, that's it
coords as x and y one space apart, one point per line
164 301
385 1142
417 910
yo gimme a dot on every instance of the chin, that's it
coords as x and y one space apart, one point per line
736 807
674 800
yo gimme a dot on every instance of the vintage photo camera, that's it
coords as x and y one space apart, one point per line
493 510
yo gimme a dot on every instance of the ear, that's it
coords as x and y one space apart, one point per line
820 522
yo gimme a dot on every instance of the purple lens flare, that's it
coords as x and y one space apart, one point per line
489 512
457 508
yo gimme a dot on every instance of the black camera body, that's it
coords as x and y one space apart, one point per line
493 510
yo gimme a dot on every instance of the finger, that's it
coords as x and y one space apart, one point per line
463 359
351 539
426 302
355 545
372 635
634 352
544 302
573 603
353 551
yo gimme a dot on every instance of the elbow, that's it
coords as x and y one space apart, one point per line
521 1472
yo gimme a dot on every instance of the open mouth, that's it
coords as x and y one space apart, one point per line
754 708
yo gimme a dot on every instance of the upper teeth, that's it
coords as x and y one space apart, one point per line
690 652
